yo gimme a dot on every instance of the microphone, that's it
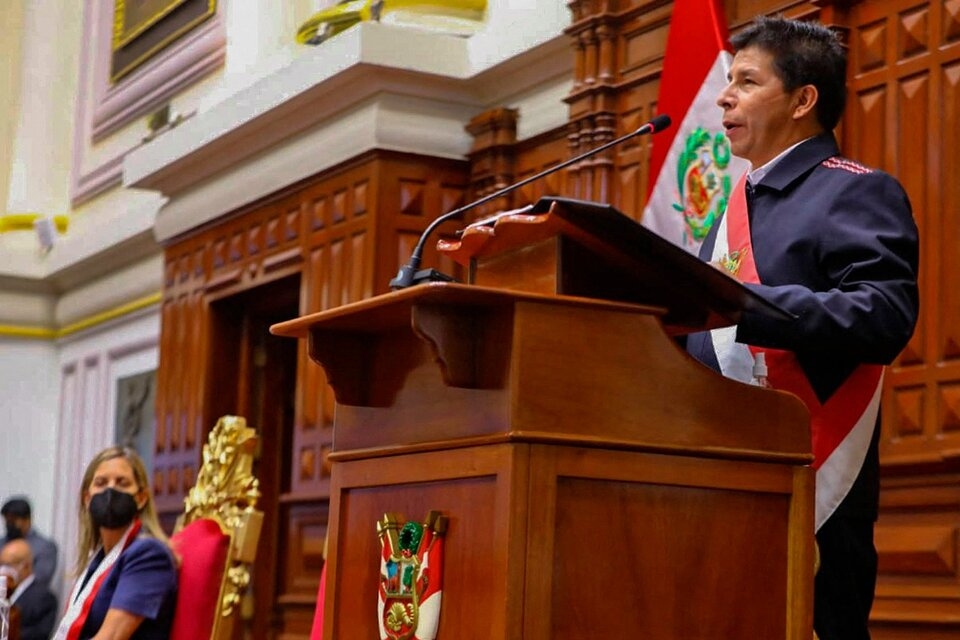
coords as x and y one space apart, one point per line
411 274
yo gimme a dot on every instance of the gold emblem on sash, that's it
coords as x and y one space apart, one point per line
730 262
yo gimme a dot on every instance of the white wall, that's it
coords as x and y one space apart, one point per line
90 366
29 379
29 375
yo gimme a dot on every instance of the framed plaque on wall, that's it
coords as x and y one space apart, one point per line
143 28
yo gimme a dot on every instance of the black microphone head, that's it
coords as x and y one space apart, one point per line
660 123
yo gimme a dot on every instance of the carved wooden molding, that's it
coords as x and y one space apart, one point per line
493 155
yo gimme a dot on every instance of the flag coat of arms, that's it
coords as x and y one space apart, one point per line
411 577
691 168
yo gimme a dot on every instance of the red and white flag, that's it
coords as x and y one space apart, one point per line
692 170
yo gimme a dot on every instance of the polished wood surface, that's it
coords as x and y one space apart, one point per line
592 472
573 247
903 116
403 364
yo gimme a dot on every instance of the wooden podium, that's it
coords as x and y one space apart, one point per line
599 483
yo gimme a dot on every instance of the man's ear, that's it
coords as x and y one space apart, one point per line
805 101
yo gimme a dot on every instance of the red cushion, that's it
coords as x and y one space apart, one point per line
203 550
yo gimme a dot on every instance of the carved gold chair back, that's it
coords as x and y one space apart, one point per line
216 537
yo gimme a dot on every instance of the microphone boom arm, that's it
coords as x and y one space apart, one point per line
409 273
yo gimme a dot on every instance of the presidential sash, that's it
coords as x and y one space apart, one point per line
841 427
84 592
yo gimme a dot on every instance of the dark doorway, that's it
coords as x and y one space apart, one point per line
264 394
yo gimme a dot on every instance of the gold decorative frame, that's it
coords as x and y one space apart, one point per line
227 492
125 35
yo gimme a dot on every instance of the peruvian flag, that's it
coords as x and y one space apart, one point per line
316 632
691 169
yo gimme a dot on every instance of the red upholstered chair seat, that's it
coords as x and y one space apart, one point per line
217 535
203 549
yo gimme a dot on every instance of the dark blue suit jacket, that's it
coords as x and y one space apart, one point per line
38 612
143 581
836 245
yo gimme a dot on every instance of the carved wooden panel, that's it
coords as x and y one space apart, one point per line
916 541
905 64
305 538
547 151
902 117
342 234
614 92
180 382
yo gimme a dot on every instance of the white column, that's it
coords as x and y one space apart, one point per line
11 25
40 158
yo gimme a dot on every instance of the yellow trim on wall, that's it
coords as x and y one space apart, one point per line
41 333
347 13
27 332
24 222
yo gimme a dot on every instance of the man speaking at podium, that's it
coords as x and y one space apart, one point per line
834 243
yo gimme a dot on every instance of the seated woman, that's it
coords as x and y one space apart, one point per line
126 573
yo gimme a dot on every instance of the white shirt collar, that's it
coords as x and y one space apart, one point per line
21 588
754 176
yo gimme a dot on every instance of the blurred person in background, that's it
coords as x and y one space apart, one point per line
16 514
36 603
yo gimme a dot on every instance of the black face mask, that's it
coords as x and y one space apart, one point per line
112 509
14 532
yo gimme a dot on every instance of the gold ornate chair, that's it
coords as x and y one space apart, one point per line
216 537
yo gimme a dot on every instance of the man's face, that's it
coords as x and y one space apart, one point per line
13 562
16 527
758 114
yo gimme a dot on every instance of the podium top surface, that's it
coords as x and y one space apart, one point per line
647 268
393 309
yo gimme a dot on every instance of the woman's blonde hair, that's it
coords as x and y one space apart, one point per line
89 532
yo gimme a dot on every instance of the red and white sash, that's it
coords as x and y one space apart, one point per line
841 428
78 607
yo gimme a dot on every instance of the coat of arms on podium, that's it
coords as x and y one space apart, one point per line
411 576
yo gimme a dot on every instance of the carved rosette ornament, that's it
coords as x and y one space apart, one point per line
411 576
226 491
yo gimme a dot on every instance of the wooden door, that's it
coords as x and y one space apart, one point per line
264 390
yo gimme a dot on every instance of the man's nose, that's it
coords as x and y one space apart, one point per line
724 100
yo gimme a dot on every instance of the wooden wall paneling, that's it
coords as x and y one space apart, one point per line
498 159
897 95
589 100
944 222
614 93
902 117
303 531
414 191
533 156
180 381
916 539
336 217
313 420
492 158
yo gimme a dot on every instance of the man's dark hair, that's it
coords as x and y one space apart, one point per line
16 508
803 53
